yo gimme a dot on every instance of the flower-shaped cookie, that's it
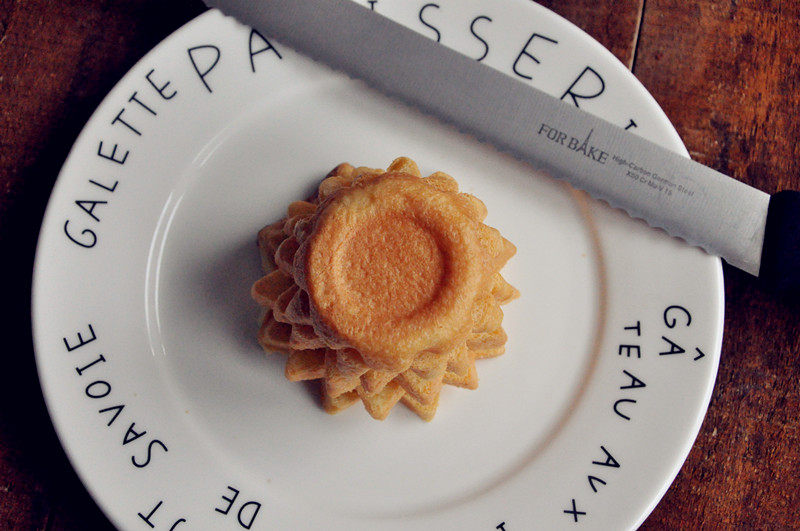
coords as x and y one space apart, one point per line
385 286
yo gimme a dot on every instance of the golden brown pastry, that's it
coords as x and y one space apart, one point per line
384 286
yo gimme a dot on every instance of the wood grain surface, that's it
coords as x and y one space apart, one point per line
725 72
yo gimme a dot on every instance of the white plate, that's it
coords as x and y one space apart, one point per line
144 328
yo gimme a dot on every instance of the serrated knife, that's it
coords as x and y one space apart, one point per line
748 228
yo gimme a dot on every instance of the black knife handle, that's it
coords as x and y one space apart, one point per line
780 256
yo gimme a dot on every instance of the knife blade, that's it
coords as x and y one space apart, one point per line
748 228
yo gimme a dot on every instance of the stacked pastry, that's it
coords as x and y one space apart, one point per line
385 286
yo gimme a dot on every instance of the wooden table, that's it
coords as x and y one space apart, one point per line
725 71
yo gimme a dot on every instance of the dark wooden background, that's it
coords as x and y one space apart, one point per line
725 71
